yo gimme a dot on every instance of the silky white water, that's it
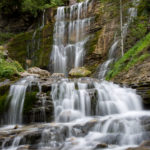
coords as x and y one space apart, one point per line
16 97
70 37
117 116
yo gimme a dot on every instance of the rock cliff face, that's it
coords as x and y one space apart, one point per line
33 47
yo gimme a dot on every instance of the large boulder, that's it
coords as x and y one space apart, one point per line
79 72
35 71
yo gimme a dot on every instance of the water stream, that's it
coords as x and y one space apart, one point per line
16 97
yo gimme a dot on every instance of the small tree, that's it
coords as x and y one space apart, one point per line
121 27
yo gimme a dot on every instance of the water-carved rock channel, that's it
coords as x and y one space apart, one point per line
58 113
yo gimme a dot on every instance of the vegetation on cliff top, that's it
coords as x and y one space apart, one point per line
10 8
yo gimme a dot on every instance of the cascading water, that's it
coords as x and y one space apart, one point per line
70 37
132 13
116 115
69 103
16 97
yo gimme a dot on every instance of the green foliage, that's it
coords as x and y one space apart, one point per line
144 7
8 68
131 57
18 66
8 7
4 37
33 7
138 30
56 3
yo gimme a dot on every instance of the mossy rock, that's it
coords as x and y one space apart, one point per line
4 91
30 100
3 102
79 72
2 48
34 47
91 44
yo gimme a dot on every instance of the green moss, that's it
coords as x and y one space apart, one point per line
37 50
91 44
30 100
136 54
17 47
43 54
79 72
92 68
3 102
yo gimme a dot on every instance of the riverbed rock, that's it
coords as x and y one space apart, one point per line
79 72
139 148
58 75
41 72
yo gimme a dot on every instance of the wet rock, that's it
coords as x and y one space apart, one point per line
16 127
145 144
25 74
82 130
31 138
143 89
79 72
138 148
101 145
58 75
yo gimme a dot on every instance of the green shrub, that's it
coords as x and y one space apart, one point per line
9 68
33 7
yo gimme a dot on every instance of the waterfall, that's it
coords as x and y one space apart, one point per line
17 96
72 100
132 13
89 114
70 37
69 103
